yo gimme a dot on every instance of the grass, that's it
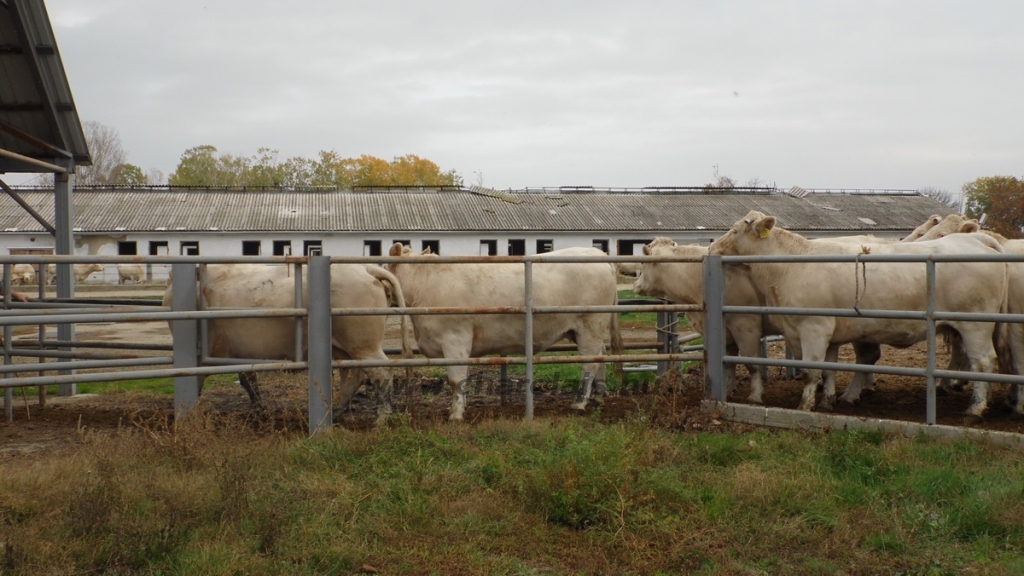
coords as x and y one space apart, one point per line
215 496
152 385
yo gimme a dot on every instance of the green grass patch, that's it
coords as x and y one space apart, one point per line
154 385
567 496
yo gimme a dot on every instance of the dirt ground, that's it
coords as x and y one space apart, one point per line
672 402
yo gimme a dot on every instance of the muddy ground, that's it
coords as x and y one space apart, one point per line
672 402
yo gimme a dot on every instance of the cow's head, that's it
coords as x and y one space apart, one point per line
680 282
952 224
930 223
745 235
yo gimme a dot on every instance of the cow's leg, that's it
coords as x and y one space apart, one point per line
457 380
348 384
249 384
958 360
749 345
812 349
977 341
1016 333
828 380
592 385
867 354
382 381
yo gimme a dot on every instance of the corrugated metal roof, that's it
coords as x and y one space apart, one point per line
99 211
38 118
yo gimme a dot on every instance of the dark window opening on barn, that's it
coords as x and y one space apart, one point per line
488 247
190 248
313 247
282 247
158 248
434 245
251 247
517 247
127 248
545 246
371 247
601 245
627 247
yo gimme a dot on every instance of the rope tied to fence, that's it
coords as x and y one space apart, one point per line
858 294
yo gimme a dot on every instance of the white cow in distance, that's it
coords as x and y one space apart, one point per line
81 272
273 286
486 285
130 272
22 274
962 287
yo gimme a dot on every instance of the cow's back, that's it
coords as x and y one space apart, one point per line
502 284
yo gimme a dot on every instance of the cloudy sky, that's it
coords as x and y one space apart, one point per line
837 94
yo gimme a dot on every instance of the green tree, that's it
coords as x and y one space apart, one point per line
128 175
204 166
1000 199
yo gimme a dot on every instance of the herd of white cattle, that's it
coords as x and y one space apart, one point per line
22 274
976 287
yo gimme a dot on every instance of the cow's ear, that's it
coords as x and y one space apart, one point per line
970 226
764 226
426 251
396 249
647 250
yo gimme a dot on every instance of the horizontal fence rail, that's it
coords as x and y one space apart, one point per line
188 270
716 309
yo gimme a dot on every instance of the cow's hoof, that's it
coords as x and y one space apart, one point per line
580 406
972 420
848 401
867 392
754 400
825 406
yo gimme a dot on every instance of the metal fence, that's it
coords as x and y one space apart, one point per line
189 359
716 357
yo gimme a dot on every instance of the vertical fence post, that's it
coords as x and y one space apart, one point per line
528 336
186 348
297 268
318 325
8 334
714 325
930 370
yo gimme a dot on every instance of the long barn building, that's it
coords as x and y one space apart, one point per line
451 221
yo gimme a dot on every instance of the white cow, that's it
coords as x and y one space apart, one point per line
958 224
22 274
683 283
133 273
963 287
272 286
477 285
81 271
921 230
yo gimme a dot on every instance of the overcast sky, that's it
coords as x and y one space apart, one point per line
838 94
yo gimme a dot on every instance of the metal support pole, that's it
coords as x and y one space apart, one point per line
528 337
930 369
186 346
714 325
319 347
298 304
63 199
8 334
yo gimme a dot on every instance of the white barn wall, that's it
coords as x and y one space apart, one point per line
334 243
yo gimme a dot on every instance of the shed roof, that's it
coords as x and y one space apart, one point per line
38 118
142 210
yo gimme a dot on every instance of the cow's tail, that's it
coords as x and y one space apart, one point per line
394 289
616 337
